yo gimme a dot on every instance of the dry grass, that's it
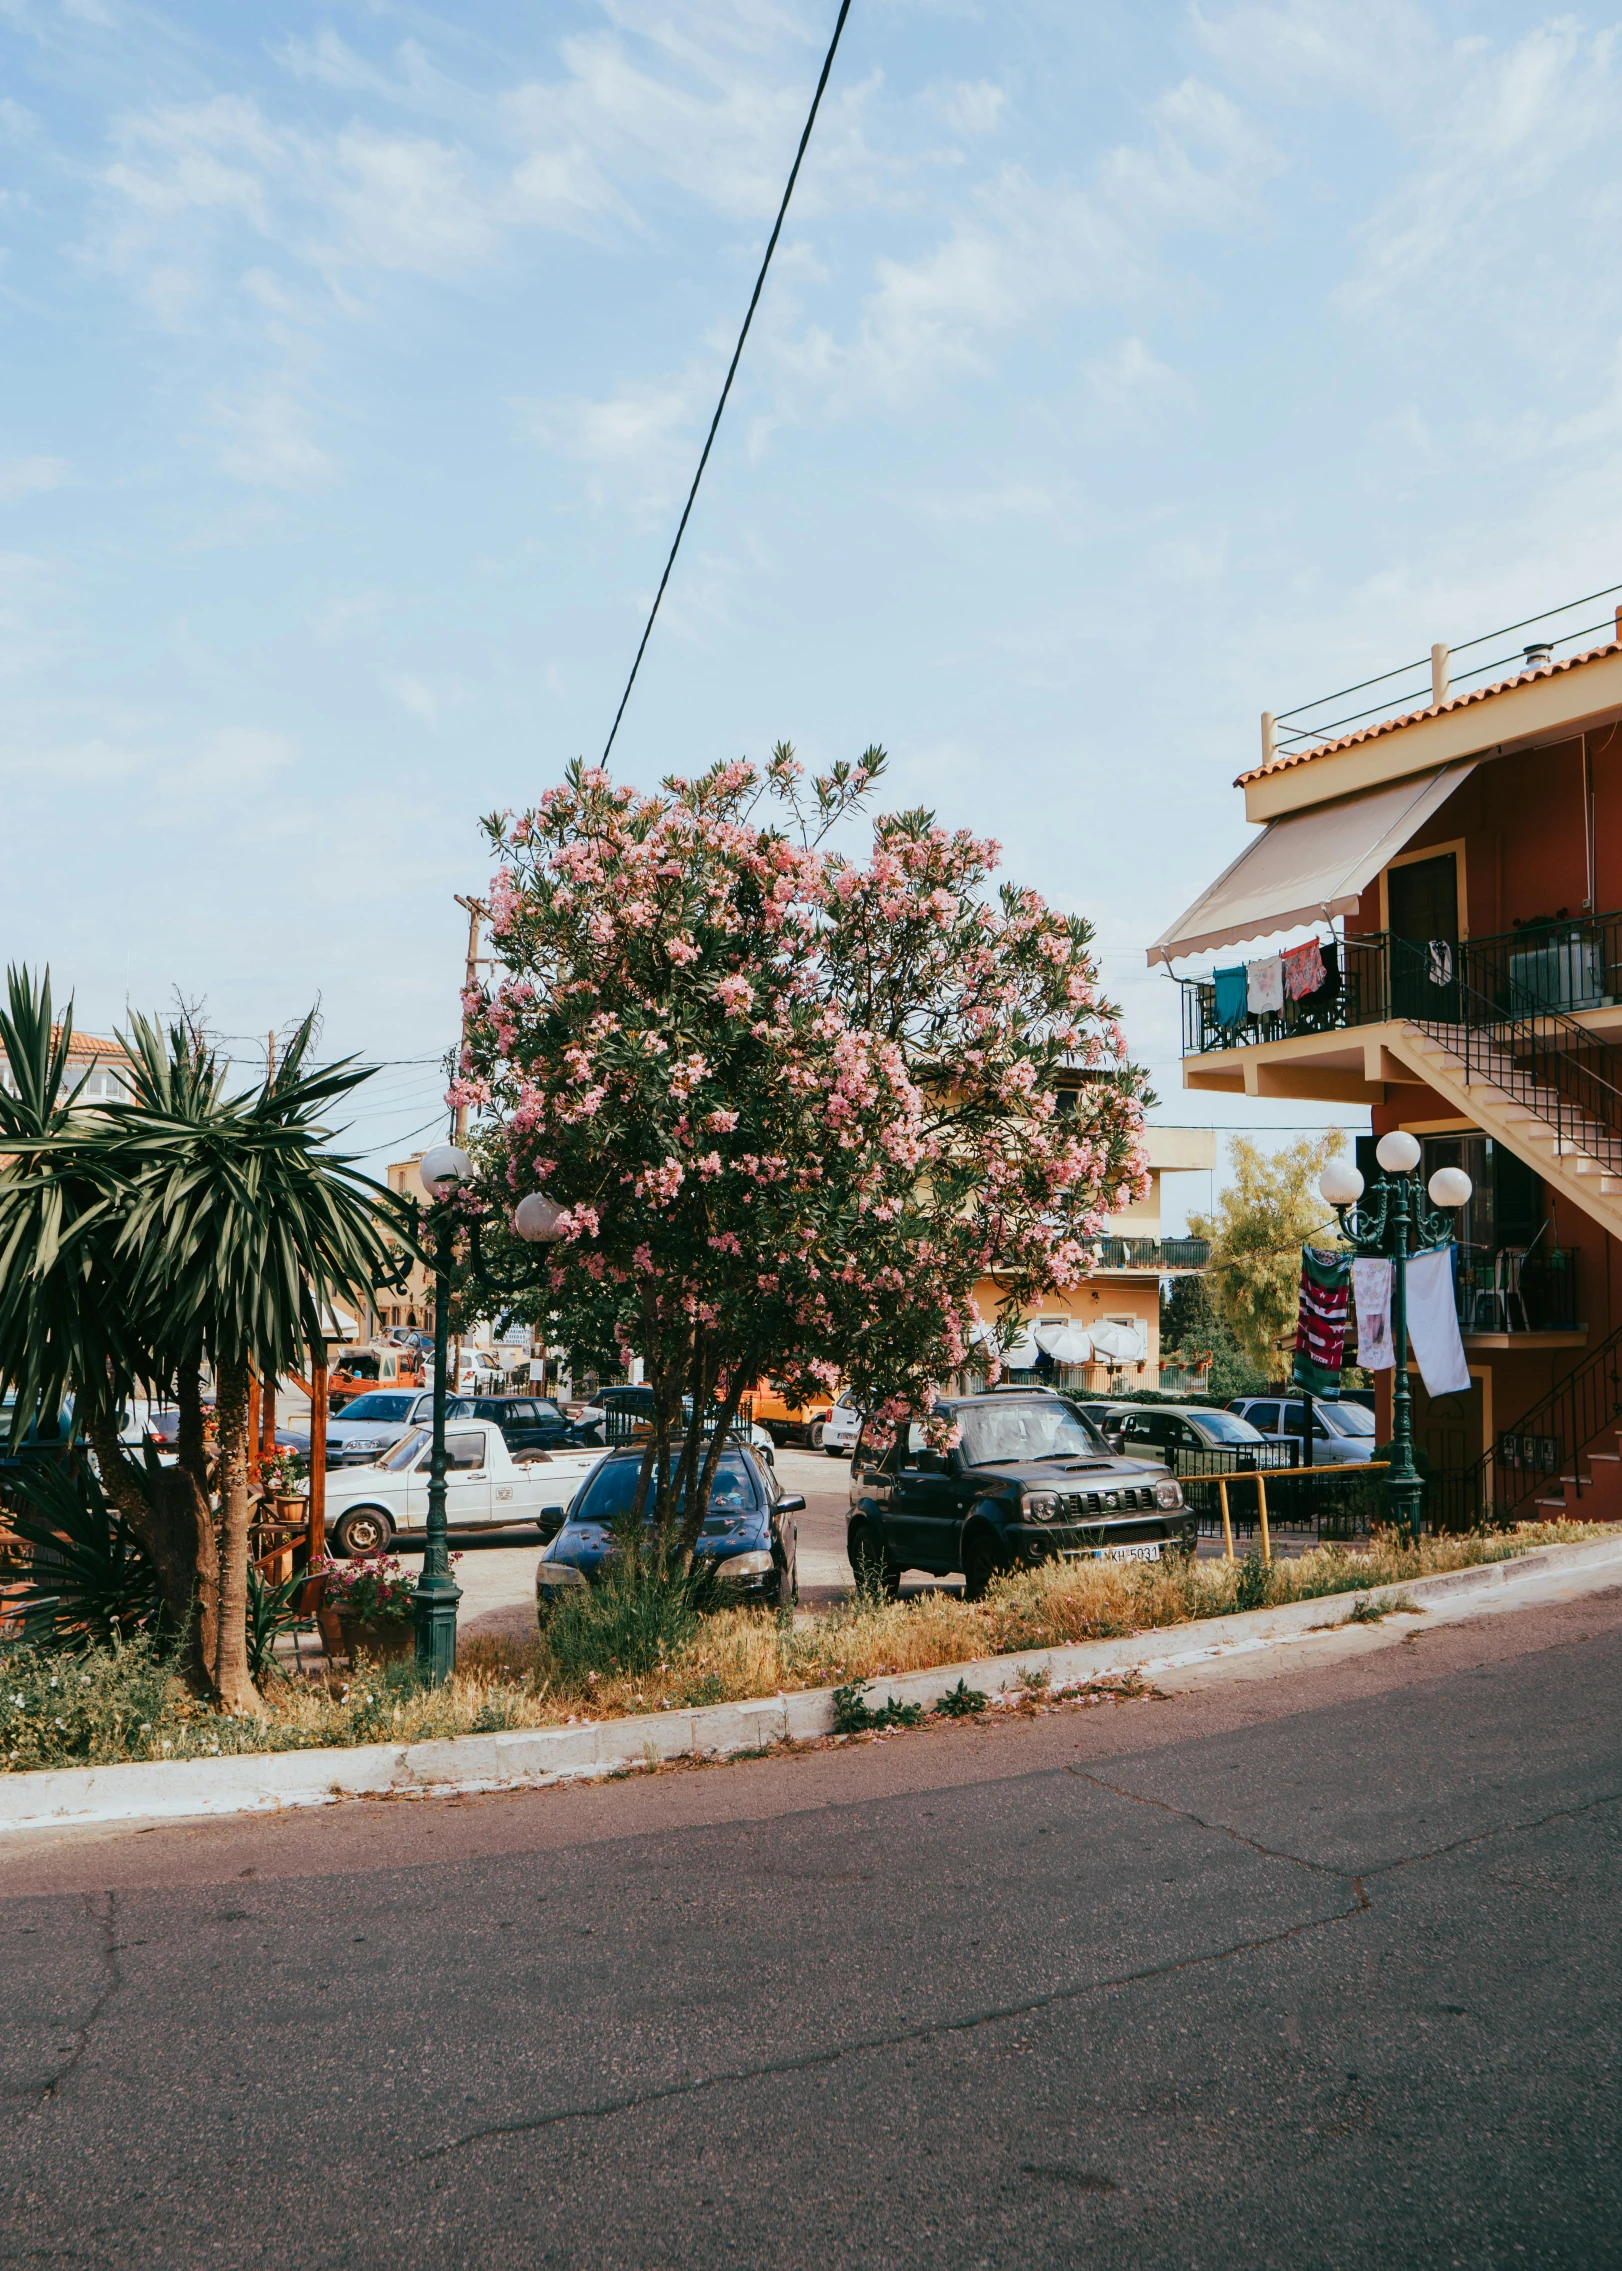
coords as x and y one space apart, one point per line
737 1654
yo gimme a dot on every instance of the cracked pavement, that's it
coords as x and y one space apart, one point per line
1312 1968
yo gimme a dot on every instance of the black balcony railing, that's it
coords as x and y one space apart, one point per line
1516 1289
1543 970
1152 1253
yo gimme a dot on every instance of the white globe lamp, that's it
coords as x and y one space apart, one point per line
443 1168
1398 1152
1340 1183
538 1218
1450 1187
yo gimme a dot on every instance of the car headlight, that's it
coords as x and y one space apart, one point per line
1168 1494
551 1574
743 1566
1040 1506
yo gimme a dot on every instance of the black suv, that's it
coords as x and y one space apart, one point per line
1030 1480
527 1423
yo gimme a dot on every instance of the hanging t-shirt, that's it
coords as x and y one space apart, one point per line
1264 985
1303 970
1230 994
1371 1294
1320 1326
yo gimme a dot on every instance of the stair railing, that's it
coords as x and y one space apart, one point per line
1543 1444
1530 1049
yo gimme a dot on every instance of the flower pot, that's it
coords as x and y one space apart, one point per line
386 1638
292 1507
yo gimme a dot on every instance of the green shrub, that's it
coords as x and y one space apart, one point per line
961 1702
58 1709
1253 1587
854 1715
636 1618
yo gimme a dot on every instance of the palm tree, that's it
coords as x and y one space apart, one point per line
210 1228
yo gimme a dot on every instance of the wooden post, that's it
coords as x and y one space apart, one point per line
318 1461
1261 1506
267 1412
1227 1525
1439 662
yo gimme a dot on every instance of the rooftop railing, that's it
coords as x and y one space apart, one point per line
1434 678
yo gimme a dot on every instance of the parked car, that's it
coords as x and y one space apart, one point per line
633 1408
1343 1434
749 1531
1188 1431
486 1489
528 1423
372 1424
1030 1480
841 1428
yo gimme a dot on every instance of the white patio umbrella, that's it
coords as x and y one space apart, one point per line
1127 1344
1064 1340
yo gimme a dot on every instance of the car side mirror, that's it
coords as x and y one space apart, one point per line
792 1504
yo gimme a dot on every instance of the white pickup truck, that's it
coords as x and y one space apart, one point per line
486 1488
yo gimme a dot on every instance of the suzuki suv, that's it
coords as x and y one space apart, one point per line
1029 1480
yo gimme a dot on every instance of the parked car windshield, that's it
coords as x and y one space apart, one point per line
405 1453
1349 1419
1223 1427
611 1491
378 1406
998 1433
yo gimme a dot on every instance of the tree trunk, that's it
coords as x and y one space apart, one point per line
236 1690
199 1506
700 1503
152 1516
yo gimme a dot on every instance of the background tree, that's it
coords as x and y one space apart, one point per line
1190 1323
792 1105
1268 1212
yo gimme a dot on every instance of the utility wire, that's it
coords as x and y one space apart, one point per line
737 352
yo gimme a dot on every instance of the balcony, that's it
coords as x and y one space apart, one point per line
1157 1254
1567 967
1511 1294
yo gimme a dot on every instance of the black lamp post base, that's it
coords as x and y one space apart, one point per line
436 1602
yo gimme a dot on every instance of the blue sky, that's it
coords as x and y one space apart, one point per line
1124 371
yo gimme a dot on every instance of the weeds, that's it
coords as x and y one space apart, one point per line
961 1702
607 1654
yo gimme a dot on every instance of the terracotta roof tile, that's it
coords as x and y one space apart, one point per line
1284 761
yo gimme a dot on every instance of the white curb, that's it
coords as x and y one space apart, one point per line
532 1757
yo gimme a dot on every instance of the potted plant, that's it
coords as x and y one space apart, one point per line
368 1604
286 1481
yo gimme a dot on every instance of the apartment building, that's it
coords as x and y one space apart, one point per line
1430 924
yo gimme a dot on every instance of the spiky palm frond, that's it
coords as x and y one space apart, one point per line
88 1581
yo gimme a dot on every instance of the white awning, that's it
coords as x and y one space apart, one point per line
1308 866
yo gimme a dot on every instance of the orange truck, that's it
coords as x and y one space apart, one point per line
785 1422
383 1365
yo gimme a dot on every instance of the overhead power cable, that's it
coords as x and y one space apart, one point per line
732 368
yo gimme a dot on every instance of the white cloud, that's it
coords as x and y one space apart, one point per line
416 699
972 107
31 476
358 611
1128 373
260 436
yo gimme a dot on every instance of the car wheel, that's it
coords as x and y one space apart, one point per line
364 1530
814 1435
871 1566
981 1563
788 1586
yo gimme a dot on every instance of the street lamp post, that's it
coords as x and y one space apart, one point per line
1388 1224
537 1220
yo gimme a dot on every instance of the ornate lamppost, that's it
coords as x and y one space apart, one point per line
1388 1224
443 1171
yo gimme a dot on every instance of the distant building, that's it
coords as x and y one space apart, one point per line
98 1069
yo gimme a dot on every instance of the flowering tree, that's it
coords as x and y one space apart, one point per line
793 1105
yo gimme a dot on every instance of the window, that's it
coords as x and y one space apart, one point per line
1041 1427
464 1453
1296 1421
1225 1427
1264 1416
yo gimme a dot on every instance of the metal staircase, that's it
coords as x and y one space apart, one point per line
1535 1079
1563 1457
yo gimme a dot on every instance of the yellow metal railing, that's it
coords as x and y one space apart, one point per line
1261 1477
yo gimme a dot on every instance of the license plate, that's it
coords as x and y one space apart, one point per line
1115 1553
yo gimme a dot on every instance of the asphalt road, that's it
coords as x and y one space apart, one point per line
1316 1970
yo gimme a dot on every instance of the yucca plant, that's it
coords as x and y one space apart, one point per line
89 1582
189 1226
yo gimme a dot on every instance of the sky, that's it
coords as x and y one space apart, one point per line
1124 371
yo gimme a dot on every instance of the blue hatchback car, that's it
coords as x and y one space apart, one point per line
749 1532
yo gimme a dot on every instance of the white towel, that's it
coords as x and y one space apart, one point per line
1371 1298
1433 1323
1264 985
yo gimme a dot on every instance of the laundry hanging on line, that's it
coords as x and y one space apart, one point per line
1371 1296
1439 962
1320 1327
1264 985
1433 1323
1230 995
1303 970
